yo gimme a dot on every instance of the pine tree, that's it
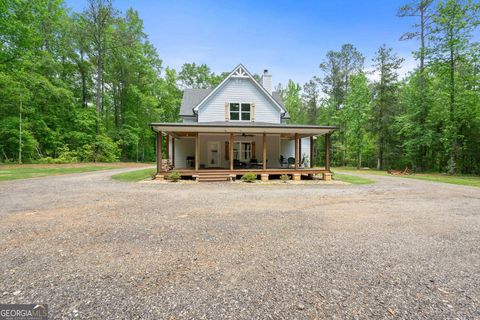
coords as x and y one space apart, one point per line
453 26
385 104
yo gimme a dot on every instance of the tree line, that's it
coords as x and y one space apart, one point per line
427 121
82 86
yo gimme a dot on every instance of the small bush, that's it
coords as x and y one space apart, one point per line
105 149
249 177
66 155
85 153
45 160
284 178
174 176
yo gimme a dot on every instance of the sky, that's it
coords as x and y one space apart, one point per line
289 38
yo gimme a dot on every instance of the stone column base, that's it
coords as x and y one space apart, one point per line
327 176
297 177
160 177
264 176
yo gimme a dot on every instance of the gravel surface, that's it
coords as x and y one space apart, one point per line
94 248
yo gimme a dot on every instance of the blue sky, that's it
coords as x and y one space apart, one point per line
290 38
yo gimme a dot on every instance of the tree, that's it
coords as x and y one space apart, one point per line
385 104
337 69
98 19
293 102
357 114
311 100
422 10
80 41
199 77
452 30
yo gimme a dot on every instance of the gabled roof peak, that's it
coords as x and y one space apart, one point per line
241 72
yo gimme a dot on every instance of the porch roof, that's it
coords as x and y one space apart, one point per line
242 127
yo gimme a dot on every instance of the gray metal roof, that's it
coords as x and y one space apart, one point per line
192 97
277 97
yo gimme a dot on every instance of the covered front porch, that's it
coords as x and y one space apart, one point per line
206 151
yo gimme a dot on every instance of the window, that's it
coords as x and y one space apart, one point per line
240 111
245 111
242 151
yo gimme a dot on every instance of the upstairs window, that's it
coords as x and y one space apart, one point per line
240 111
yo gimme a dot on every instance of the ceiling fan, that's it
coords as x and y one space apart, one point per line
245 135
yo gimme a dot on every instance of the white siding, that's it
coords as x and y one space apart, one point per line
184 147
273 145
189 119
288 149
306 150
273 151
239 90
204 149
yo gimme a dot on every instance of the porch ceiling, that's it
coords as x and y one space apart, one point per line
241 127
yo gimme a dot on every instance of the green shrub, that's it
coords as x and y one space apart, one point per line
85 153
45 160
284 178
66 156
105 150
174 176
249 177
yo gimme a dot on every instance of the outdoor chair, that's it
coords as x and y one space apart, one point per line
190 162
254 164
237 164
283 163
291 162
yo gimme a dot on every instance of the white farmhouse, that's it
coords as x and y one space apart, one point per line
237 127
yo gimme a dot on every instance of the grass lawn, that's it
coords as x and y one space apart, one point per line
465 180
33 172
352 179
366 171
473 181
134 176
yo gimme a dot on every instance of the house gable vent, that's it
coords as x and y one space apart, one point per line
240 73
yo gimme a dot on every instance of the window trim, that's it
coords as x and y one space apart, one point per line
239 111
241 150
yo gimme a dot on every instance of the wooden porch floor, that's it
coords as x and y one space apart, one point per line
278 171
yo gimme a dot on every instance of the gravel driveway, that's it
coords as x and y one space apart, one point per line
94 248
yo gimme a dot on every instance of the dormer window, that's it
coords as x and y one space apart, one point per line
240 111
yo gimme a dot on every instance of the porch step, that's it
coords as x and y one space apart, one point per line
213 176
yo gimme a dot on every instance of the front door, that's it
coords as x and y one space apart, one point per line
213 154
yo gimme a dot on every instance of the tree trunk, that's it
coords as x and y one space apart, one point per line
99 80
20 134
84 79
116 107
453 134
380 155
98 93
359 160
359 154
423 104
